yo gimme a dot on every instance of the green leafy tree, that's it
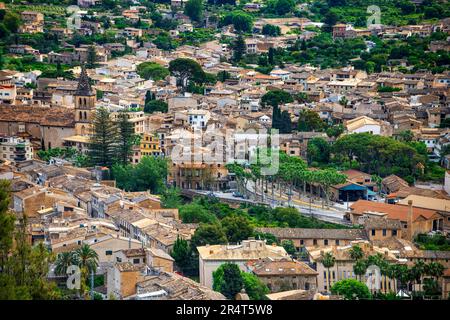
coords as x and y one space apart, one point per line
318 151
271 30
156 106
288 245
181 253
227 280
223 75
241 21
335 131
7 220
209 233
309 120
237 228
254 287
194 10
149 174
102 142
186 70
11 21
276 98
195 213
283 7
351 289
24 269
171 198
327 178
377 154
152 70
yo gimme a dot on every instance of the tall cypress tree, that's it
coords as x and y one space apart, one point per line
102 145
125 132
91 57
239 48
276 117
271 56
286 124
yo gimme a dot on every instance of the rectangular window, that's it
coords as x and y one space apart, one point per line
136 261
315 242
394 232
373 232
325 242
108 252
337 242
384 232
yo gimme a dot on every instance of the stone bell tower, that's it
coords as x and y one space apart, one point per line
85 98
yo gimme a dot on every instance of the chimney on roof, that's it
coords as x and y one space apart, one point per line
410 220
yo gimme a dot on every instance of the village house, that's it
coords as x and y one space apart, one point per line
302 237
284 275
343 267
212 256
414 220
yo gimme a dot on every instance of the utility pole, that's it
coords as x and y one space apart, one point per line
92 284
310 209
347 200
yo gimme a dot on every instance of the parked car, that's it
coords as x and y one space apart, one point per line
237 194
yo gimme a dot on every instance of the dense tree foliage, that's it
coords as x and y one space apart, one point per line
378 154
241 21
149 174
151 70
229 280
271 30
276 98
23 268
194 9
186 70
309 120
351 289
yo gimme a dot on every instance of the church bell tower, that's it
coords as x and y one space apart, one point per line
85 99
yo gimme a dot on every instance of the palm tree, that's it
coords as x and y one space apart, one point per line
360 268
328 261
400 272
417 271
85 257
434 269
391 273
356 253
63 261
384 270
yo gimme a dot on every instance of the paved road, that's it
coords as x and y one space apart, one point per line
334 215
